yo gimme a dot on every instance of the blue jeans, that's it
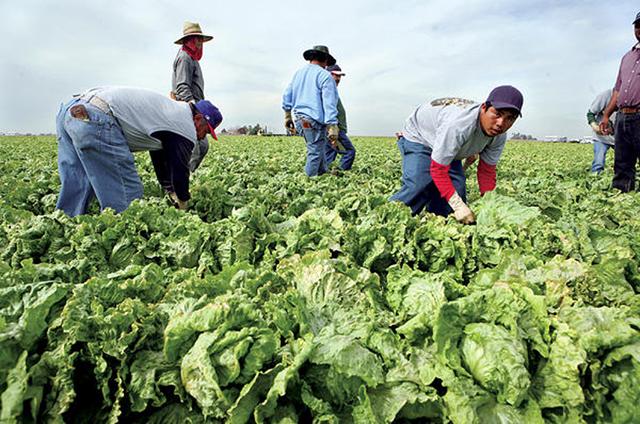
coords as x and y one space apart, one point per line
599 156
94 160
348 154
315 135
418 189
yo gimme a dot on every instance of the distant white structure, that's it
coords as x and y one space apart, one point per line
587 139
555 139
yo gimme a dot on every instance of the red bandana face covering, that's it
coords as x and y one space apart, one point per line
189 46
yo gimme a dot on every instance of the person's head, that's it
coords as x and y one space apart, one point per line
192 31
319 55
500 111
206 118
636 25
336 73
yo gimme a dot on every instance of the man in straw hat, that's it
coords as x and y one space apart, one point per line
187 82
312 98
98 131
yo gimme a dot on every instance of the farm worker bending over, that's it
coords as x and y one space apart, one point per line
344 145
98 130
187 82
601 141
626 99
312 98
438 135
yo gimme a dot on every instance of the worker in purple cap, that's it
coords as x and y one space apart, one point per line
626 100
344 146
435 139
98 131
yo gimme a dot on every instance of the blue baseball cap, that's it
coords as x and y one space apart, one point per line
506 97
211 114
637 19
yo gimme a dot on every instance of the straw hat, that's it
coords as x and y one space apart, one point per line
192 28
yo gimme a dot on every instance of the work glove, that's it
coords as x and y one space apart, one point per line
332 134
288 122
179 204
461 211
596 128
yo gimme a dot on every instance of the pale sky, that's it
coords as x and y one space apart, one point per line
397 54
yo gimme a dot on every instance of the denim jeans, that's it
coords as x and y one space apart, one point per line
348 154
626 151
94 160
599 156
418 189
315 136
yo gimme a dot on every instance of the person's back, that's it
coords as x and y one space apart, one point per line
306 94
142 112
449 128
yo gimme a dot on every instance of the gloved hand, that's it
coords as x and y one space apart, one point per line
596 128
288 122
461 211
179 204
332 134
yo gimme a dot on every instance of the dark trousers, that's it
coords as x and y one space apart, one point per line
627 151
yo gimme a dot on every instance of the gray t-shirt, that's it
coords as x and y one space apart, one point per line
142 112
597 108
451 129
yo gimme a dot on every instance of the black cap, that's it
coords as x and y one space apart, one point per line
323 50
637 19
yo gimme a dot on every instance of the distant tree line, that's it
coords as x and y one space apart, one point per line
518 136
256 129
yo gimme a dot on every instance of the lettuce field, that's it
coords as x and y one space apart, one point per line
282 299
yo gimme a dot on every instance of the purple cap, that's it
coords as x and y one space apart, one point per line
211 114
506 97
637 19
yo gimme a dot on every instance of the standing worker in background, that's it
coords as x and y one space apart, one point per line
187 82
435 139
626 99
344 145
601 141
312 98
98 131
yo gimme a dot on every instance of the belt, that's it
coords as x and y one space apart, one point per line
629 110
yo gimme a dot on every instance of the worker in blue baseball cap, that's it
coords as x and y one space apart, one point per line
100 129
438 135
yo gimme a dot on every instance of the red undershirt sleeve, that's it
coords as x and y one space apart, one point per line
442 180
486 177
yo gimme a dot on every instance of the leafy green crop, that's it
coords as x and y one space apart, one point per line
280 298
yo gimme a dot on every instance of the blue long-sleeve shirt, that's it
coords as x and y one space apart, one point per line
313 93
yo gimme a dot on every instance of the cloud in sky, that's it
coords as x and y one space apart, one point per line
396 55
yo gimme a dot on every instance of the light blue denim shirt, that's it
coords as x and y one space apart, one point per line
312 93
